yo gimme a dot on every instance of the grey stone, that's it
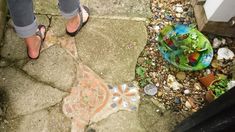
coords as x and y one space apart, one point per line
155 121
13 47
57 121
58 26
54 66
4 62
46 7
122 8
36 122
20 63
110 8
43 19
111 47
47 120
24 95
122 121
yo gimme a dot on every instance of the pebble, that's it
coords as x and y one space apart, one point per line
231 84
156 28
188 105
150 89
172 83
181 75
197 86
177 100
216 43
179 9
191 102
159 94
223 41
178 15
215 64
186 91
225 53
208 71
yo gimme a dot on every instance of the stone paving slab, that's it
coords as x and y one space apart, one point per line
155 119
111 47
13 47
121 121
55 67
91 100
47 120
24 95
110 8
122 8
46 7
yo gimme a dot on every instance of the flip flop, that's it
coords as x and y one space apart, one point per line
42 38
72 34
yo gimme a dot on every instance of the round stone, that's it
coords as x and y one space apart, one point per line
181 75
186 91
197 86
150 89
159 94
177 101
188 105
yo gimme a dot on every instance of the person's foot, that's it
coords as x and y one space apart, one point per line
73 23
33 44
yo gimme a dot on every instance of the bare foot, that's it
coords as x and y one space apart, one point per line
73 23
33 44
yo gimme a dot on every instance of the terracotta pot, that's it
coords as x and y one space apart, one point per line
210 96
207 80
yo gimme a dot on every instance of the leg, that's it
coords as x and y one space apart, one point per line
25 24
69 9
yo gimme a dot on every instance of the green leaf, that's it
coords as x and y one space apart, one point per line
140 71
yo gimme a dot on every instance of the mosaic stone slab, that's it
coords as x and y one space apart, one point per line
92 100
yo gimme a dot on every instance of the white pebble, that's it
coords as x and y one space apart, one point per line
186 91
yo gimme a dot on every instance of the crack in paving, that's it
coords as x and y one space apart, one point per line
42 82
36 111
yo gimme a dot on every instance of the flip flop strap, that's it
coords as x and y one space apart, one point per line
81 17
39 33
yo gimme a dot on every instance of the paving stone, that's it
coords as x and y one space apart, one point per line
54 66
57 121
43 19
13 47
122 121
25 95
47 120
58 26
111 47
154 119
36 122
46 7
122 8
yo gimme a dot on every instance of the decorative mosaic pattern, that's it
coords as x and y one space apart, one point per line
125 97
92 100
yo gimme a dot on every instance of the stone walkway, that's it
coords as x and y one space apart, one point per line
78 84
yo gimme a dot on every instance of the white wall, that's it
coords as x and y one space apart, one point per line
220 10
